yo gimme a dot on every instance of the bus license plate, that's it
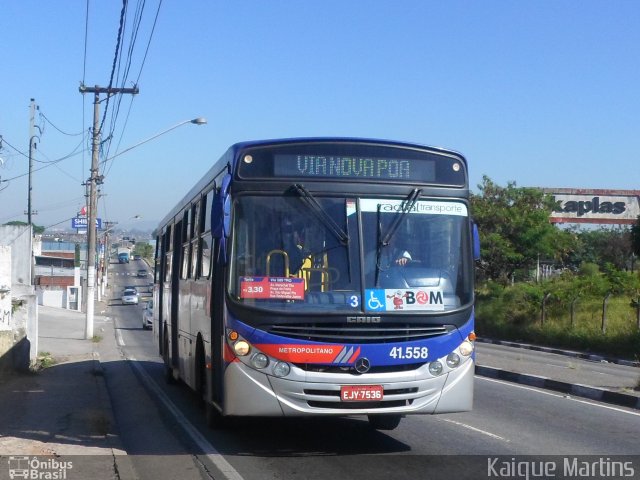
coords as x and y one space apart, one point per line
361 393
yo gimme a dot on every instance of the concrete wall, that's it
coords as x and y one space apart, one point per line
18 334
5 289
19 239
52 297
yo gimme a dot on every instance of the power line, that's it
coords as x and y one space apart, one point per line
153 29
84 72
19 151
86 33
135 28
58 129
120 72
51 163
134 36
115 59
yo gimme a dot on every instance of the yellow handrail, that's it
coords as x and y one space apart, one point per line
285 256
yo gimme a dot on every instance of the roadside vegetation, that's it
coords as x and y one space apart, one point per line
145 250
561 287
43 360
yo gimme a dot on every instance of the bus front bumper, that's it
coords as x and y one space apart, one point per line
250 392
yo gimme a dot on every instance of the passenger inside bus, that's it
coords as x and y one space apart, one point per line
309 259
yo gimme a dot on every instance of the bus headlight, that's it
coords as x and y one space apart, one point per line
466 348
453 360
281 369
435 368
241 348
259 360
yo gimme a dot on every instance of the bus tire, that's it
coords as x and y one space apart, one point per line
201 375
215 420
166 357
384 422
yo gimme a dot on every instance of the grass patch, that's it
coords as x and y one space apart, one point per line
515 313
44 360
96 339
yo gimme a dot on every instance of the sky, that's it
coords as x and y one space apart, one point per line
542 93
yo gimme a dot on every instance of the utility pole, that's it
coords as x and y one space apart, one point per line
32 117
107 247
94 180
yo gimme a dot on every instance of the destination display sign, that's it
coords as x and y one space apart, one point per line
370 168
337 161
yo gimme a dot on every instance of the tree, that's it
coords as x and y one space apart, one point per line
635 237
515 231
145 250
603 246
76 257
36 229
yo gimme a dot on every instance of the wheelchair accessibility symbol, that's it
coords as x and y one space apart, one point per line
374 302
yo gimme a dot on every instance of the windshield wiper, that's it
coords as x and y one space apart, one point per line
393 228
407 206
315 207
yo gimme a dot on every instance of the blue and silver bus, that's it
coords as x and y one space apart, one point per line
321 276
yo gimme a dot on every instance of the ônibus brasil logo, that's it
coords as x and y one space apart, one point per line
36 468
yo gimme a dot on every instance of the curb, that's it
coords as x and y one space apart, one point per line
577 390
559 351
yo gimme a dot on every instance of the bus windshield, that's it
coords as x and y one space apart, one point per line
329 254
416 258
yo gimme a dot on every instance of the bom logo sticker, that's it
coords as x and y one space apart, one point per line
405 299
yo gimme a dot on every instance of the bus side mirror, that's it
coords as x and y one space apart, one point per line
476 242
226 215
221 209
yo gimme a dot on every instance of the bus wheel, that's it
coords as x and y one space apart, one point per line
384 422
214 418
201 375
168 369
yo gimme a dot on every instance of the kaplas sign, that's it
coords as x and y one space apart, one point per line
594 206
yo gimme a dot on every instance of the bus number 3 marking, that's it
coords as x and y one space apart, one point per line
407 353
354 301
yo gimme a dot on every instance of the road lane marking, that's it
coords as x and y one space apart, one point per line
477 430
215 457
119 339
567 396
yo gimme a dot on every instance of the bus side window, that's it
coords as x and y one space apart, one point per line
206 247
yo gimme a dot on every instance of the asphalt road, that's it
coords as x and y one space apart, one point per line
597 373
161 426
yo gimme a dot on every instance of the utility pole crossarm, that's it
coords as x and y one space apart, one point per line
108 90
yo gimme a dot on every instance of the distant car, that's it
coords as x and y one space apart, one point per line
137 257
131 287
129 297
142 272
147 315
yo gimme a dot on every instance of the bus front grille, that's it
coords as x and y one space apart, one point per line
350 370
380 333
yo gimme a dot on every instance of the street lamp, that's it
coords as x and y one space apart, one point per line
195 121
91 250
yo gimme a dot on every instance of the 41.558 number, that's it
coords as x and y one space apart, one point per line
407 353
